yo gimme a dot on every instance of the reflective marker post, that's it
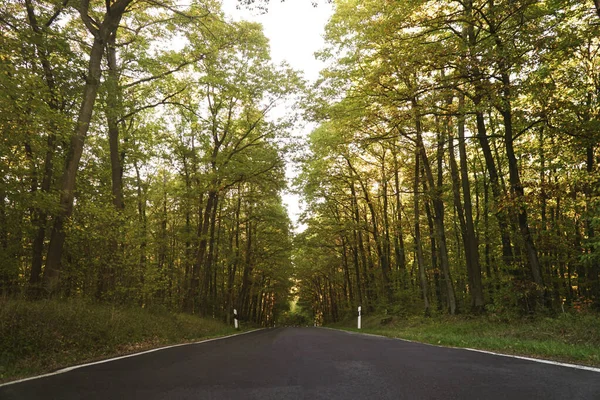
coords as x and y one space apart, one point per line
235 319
359 308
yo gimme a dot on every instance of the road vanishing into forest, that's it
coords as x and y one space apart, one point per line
312 363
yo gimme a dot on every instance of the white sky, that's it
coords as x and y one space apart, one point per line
295 30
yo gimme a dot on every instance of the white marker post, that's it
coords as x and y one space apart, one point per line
235 319
359 308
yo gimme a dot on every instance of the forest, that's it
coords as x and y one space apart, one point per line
453 167
141 160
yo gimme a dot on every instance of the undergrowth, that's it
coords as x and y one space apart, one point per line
42 336
568 337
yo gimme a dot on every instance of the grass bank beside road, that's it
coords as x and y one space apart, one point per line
39 337
567 338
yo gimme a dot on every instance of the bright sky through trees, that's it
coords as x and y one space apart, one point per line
295 32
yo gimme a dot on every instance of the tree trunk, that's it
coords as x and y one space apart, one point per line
40 216
438 207
503 225
378 245
57 238
470 238
209 263
360 250
517 187
399 235
386 227
418 246
203 228
347 280
113 108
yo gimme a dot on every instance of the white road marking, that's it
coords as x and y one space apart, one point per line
539 360
62 371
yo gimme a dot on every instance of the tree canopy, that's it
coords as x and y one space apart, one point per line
455 163
453 168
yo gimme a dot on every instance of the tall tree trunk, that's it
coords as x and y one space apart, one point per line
399 235
438 207
113 108
355 263
479 95
347 280
360 250
469 236
386 225
109 25
40 216
516 186
418 245
435 268
203 229
245 290
236 258
209 263
141 205
58 235
378 245
593 275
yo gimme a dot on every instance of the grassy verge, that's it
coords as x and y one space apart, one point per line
567 338
39 337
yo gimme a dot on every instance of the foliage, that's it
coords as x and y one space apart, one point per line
455 163
141 161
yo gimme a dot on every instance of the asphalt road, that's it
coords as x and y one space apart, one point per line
313 363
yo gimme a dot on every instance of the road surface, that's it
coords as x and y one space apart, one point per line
313 363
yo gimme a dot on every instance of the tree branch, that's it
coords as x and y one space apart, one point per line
56 13
147 106
166 73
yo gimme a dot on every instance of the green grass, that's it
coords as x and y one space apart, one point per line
39 337
567 338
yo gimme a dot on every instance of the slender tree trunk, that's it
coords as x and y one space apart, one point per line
141 205
399 235
113 108
208 264
40 216
418 246
378 245
438 207
236 257
593 275
246 278
470 237
517 187
203 229
503 224
347 280
354 249
435 268
360 246
386 227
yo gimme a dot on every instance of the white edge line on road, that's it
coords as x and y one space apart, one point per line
62 371
539 360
